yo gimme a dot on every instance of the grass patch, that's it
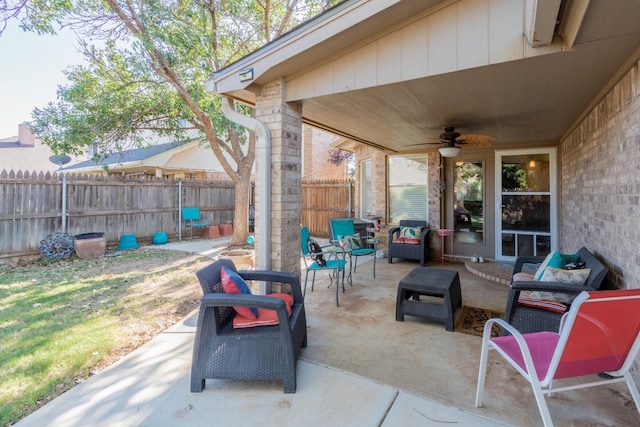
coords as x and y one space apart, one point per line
63 321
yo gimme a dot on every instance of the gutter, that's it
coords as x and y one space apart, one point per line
263 181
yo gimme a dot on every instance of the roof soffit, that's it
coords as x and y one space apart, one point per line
531 100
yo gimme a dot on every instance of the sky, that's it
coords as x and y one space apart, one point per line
30 71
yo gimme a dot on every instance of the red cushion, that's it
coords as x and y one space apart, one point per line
265 317
407 240
556 307
232 283
523 277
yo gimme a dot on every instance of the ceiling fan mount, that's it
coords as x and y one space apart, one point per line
450 137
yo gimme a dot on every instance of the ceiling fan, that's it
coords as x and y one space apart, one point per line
450 140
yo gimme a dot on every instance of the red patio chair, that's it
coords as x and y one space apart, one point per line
600 333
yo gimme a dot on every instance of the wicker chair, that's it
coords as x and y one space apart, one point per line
418 252
532 319
258 353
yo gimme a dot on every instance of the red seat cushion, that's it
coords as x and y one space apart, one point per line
265 317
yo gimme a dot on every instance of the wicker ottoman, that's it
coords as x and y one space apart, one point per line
430 282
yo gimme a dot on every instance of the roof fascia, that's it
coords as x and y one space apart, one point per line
540 21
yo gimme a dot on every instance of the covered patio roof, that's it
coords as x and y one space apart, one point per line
478 68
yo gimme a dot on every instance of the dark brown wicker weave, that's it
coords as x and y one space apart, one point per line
531 319
259 353
408 251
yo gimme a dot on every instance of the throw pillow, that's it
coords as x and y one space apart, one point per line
265 317
571 277
559 297
232 283
351 242
558 260
544 264
410 235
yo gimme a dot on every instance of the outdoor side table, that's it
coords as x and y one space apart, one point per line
429 282
444 233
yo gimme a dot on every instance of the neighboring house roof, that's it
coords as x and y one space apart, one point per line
26 155
181 155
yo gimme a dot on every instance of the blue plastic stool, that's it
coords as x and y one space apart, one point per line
128 241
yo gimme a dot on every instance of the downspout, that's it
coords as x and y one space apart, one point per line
263 180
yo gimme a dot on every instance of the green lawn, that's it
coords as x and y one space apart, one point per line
60 320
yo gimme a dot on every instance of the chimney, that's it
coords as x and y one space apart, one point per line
25 137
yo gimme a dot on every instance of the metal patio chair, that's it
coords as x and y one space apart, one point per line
332 261
341 228
599 334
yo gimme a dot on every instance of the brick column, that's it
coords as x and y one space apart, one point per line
285 124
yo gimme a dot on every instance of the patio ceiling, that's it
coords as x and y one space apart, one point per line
535 100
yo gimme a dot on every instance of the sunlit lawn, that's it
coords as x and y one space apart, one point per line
58 320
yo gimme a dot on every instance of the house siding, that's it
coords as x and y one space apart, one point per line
442 41
600 183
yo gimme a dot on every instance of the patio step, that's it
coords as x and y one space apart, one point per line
495 271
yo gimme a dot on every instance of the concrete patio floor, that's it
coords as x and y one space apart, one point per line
360 368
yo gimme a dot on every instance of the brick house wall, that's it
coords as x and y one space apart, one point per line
600 183
316 156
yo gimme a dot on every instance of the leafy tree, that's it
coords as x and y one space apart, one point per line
146 64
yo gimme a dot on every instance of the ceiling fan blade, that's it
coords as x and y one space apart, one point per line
475 140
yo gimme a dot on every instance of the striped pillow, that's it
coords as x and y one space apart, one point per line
556 307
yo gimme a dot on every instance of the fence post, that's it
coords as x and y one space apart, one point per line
350 201
64 203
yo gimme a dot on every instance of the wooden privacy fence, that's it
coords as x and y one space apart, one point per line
323 200
31 206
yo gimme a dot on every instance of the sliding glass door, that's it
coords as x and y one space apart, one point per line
526 223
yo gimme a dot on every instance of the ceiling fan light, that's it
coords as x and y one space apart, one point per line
449 151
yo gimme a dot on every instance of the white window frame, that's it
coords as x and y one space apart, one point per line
552 193
425 215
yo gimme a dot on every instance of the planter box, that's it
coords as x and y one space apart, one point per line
90 245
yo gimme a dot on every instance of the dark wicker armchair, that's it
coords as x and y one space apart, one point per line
259 353
531 319
418 252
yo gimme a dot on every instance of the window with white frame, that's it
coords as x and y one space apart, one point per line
366 191
408 194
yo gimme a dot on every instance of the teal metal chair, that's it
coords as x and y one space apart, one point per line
191 218
344 227
333 264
